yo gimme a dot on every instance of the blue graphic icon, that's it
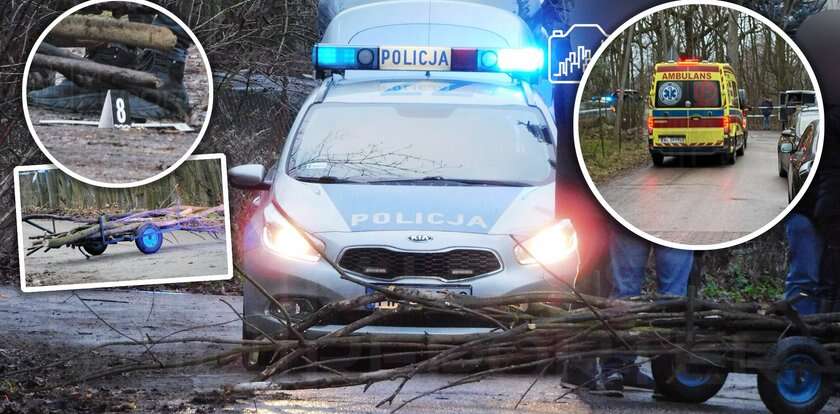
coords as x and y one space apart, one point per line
670 93
570 51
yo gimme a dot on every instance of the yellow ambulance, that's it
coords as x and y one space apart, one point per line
696 108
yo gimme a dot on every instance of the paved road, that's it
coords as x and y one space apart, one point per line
61 322
183 254
703 202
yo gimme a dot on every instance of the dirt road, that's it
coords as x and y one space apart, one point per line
703 202
45 326
123 156
183 254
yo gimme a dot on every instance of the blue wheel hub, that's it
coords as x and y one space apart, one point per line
692 377
797 383
150 237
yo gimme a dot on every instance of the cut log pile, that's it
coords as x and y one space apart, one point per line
187 218
90 31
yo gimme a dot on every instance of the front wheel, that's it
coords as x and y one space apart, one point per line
148 238
800 382
686 383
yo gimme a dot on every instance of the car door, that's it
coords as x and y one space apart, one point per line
797 158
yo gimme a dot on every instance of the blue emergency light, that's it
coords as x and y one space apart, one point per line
338 58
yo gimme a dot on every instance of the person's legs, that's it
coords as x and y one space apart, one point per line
673 267
766 122
628 257
806 248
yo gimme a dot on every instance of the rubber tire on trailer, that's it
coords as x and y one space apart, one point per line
94 247
148 238
255 361
703 383
779 391
658 159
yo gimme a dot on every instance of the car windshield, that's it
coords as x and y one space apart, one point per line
805 118
675 94
433 143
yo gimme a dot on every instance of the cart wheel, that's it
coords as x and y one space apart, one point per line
94 247
796 386
690 384
148 238
255 361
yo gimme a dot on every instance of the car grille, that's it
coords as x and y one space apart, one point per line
390 264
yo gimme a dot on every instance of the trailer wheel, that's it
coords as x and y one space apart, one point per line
689 384
148 238
94 247
796 386
255 361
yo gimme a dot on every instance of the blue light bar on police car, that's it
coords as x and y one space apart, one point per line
427 58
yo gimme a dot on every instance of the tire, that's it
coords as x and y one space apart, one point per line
658 159
694 384
94 247
743 148
782 172
148 238
791 391
255 361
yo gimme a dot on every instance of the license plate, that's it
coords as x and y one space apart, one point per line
414 58
672 140
453 290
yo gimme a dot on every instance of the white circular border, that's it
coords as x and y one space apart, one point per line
614 35
172 167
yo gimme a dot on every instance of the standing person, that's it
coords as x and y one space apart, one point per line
766 110
628 257
822 200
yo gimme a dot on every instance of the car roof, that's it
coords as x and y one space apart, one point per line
428 23
431 90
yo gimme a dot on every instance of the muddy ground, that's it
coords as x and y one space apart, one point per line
42 328
183 254
123 156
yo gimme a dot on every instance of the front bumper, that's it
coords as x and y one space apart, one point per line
319 283
690 149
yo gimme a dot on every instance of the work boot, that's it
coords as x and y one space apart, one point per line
581 374
634 377
614 382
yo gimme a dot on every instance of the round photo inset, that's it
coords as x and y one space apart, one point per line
699 124
117 93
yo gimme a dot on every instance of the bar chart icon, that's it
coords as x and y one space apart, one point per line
570 51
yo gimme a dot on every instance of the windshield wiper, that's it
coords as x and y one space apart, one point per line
326 179
463 181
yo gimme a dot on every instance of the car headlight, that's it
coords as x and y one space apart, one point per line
282 238
551 245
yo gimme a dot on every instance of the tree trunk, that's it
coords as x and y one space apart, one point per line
114 30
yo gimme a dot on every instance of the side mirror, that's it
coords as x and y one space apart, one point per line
786 148
248 177
788 133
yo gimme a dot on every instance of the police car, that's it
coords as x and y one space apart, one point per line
409 165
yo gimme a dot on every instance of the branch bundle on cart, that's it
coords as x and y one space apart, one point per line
145 228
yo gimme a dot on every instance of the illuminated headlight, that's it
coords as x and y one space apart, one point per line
549 246
285 240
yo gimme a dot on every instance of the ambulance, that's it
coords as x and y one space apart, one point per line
423 159
696 108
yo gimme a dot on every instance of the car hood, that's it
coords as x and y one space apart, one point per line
320 208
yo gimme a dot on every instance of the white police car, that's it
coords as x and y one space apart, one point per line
412 166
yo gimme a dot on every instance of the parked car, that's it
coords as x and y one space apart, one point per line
801 120
802 158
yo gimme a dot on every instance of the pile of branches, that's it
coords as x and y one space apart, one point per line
187 218
536 330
